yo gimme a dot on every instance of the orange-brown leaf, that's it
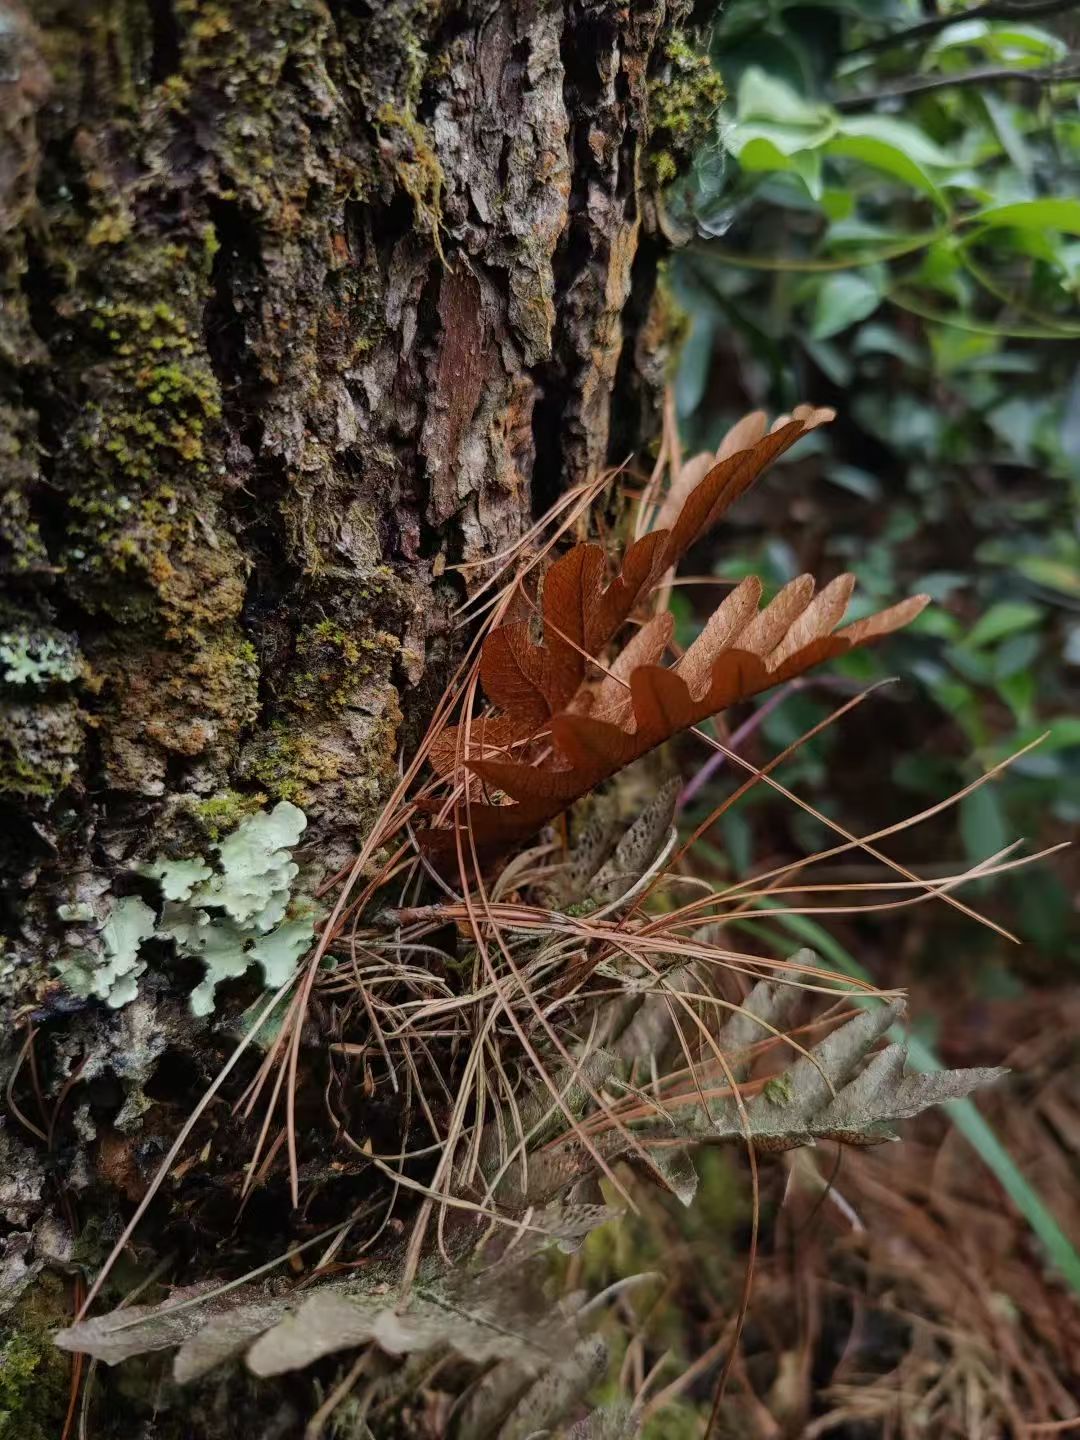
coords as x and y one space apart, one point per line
592 730
791 635
486 733
531 681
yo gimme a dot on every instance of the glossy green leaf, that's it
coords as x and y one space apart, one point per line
894 147
1016 655
830 360
976 666
1046 570
696 358
765 97
879 339
1049 214
1009 42
763 148
1002 619
1019 690
983 826
842 301
1001 115
937 622
1064 733
899 135
856 480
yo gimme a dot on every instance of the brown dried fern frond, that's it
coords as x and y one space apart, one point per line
556 733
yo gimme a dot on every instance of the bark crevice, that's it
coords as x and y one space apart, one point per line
314 302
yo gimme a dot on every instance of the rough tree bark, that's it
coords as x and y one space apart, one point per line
304 302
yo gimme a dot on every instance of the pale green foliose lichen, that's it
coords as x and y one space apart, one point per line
228 915
36 658
112 972
177 878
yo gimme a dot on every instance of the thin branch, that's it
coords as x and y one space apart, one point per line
1001 10
1067 68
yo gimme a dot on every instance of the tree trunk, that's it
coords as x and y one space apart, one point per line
305 302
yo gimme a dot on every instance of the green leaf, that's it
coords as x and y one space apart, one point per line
982 823
898 134
807 165
764 97
975 666
856 231
1064 733
1054 574
762 148
940 584
695 359
1018 689
856 480
894 147
936 622
957 350
842 301
838 205
1050 214
1015 655
878 339
1002 619
831 360
1012 141
738 841
943 269
1057 735
761 145
881 156
926 774
1009 43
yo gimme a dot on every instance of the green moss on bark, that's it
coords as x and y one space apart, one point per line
685 94
34 1375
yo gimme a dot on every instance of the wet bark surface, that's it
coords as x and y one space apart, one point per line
304 303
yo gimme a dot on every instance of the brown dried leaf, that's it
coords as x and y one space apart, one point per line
842 1090
732 660
483 1311
556 735
531 681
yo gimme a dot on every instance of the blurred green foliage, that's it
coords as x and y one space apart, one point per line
892 229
